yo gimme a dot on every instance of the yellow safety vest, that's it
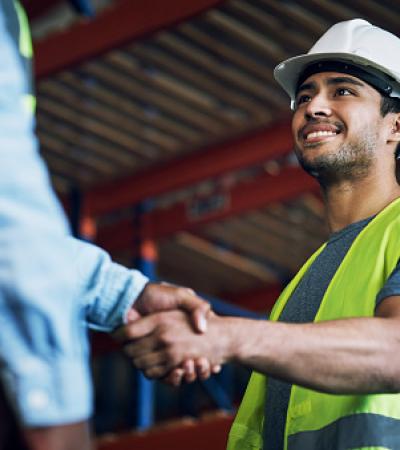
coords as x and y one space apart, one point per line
318 421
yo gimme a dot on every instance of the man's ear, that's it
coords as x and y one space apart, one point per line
395 131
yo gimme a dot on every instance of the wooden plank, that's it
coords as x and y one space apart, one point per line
88 142
285 253
231 74
312 224
181 91
256 41
333 12
204 271
238 101
295 235
243 73
89 124
157 100
225 257
129 106
75 155
159 78
272 26
257 68
377 13
247 238
77 174
110 117
300 18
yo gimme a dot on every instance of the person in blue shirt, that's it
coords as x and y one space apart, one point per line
52 287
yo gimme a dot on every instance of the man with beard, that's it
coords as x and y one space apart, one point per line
327 365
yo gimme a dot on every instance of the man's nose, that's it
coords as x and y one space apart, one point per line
318 106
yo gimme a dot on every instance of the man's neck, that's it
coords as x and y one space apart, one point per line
351 201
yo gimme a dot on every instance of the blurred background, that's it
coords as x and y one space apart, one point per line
169 144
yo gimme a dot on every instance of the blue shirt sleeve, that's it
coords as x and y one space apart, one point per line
105 289
391 287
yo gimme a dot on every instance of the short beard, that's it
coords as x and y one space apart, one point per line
351 162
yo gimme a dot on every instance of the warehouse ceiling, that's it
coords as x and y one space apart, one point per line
179 91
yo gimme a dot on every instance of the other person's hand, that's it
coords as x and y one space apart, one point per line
163 297
157 297
162 342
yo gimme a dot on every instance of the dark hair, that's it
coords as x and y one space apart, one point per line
391 105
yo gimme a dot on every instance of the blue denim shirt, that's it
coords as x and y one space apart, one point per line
51 285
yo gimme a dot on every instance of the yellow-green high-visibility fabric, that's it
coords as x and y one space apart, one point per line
19 29
318 421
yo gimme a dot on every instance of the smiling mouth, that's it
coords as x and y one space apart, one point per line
319 131
319 136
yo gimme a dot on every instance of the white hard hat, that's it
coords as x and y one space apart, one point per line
358 47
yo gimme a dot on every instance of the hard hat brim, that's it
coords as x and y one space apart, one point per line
288 72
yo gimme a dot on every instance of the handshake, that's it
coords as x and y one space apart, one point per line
171 334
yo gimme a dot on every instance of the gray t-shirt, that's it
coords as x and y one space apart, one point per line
302 307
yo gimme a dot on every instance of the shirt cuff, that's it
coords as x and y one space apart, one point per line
121 289
49 395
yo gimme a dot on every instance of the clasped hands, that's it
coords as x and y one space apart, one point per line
170 335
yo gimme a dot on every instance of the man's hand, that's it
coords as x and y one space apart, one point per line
190 370
159 343
165 297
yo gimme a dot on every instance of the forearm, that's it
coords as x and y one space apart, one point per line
344 356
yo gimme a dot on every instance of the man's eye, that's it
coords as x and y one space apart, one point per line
343 91
303 99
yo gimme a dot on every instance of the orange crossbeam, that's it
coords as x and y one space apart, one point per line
273 142
124 22
247 196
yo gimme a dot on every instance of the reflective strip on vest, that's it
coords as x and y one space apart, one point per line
29 103
25 41
18 27
358 431
26 52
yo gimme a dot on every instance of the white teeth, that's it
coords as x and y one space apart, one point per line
320 133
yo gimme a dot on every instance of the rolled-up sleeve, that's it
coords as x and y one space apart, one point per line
105 289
